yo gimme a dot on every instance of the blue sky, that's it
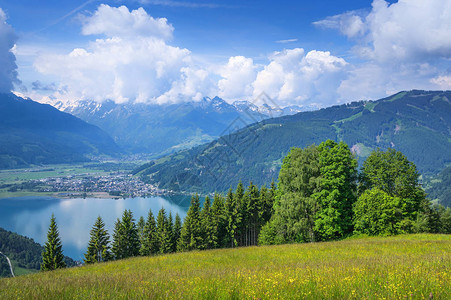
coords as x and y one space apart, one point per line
298 52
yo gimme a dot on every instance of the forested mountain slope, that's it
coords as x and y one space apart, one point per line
417 123
23 252
34 133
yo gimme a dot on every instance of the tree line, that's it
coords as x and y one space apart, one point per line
320 196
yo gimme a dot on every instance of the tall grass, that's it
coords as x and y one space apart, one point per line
400 267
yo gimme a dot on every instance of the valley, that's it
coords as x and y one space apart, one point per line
208 149
94 180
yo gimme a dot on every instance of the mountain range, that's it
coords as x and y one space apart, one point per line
159 129
34 133
417 123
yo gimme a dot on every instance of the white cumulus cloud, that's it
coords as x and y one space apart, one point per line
133 62
8 69
404 45
294 77
237 77
112 21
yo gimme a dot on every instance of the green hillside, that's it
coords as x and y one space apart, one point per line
439 189
399 267
34 133
24 253
417 123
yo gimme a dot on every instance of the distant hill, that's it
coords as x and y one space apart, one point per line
159 129
439 189
24 253
418 123
34 133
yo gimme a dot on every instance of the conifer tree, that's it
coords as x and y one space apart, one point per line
207 225
52 256
253 210
170 231
163 232
176 232
267 199
218 221
141 224
149 244
99 243
239 212
125 237
191 234
230 220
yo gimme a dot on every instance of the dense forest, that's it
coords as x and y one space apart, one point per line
320 196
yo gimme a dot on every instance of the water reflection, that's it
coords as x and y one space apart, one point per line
30 216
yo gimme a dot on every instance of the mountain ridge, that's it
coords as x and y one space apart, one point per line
418 123
35 133
163 129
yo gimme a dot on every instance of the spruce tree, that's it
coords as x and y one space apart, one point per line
207 226
52 256
230 220
149 244
176 232
254 208
170 232
163 235
239 213
118 244
191 234
99 243
218 218
125 237
141 224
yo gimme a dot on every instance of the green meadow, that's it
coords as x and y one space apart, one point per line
398 267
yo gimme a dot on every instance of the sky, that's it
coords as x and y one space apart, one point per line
302 53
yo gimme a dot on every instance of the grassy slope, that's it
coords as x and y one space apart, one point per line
408 266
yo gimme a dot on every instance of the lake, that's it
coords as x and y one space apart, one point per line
30 216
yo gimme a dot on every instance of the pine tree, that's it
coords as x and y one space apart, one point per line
176 232
125 237
52 256
99 243
149 244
